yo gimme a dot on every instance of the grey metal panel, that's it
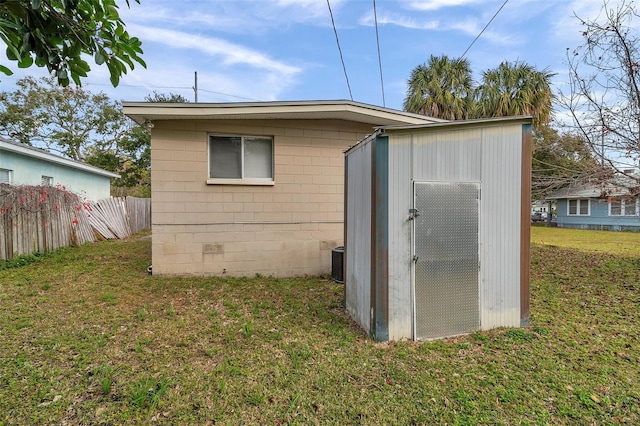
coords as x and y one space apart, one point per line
487 154
380 239
500 230
446 264
449 156
492 155
400 200
358 249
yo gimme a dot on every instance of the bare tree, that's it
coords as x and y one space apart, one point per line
603 96
559 160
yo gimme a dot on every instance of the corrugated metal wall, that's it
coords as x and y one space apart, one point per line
400 201
448 155
486 154
358 238
500 226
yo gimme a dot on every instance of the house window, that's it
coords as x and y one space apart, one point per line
622 207
5 175
241 160
579 207
46 181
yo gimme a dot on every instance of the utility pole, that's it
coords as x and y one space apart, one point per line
195 88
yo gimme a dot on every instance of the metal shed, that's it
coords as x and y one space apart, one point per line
437 228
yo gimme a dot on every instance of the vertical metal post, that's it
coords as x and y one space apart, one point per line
195 88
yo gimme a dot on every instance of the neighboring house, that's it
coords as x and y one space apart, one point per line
543 211
539 206
22 164
252 188
588 206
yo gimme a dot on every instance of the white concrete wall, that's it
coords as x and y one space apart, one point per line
286 229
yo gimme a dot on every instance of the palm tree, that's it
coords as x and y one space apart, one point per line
442 89
515 89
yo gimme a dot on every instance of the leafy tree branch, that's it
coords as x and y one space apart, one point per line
58 34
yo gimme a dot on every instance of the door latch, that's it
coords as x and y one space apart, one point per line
413 213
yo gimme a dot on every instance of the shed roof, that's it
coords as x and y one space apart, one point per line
33 152
444 123
576 191
524 119
142 112
619 187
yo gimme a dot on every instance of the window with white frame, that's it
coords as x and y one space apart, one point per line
6 175
240 159
623 207
578 207
46 180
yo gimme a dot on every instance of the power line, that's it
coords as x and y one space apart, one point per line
344 68
375 17
485 27
227 94
200 89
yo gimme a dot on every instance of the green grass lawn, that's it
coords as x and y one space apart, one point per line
619 243
88 337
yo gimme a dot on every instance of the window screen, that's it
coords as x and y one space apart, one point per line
584 207
5 176
258 158
630 207
573 206
240 157
616 208
578 208
225 157
622 207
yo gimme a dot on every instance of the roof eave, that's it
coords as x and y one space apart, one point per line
142 112
46 156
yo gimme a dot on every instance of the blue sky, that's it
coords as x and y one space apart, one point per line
286 49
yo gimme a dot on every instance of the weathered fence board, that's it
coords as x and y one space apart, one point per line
34 218
139 210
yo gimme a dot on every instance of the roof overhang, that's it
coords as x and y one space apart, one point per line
146 112
40 154
575 192
590 191
618 186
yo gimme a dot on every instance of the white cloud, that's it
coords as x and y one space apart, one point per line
304 10
400 21
566 27
472 27
189 19
228 53
239 17
439 4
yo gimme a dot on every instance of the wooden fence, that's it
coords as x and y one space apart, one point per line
42 219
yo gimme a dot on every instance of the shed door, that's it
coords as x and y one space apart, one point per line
446 259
